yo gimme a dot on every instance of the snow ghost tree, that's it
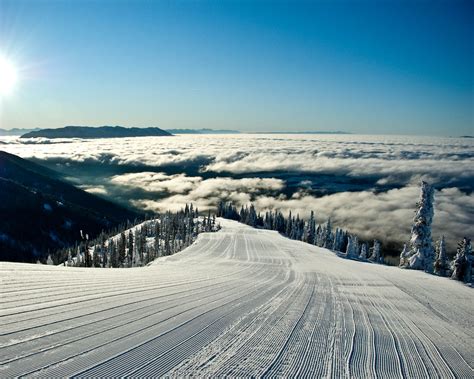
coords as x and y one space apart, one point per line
349 247
421 255
338 240
376 256
404 255
363 251
328 237
311 233
462 264
352 250
441 266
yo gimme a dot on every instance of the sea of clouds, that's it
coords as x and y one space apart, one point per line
367 184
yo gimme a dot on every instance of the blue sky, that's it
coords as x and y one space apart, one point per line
365 67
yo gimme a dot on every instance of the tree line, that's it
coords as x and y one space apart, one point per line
296 228
138 244
419 254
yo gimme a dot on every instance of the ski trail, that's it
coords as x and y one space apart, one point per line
237 303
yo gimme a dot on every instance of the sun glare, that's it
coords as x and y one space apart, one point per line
8 76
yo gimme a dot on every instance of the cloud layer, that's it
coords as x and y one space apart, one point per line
367 184
387 216
395 160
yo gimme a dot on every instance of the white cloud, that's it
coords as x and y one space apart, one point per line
207 193
387 215
395 159
157 182
96 190
388 160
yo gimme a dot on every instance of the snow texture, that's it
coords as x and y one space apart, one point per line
240 302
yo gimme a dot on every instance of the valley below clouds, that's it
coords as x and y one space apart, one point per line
367 184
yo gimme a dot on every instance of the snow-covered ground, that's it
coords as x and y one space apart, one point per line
239 302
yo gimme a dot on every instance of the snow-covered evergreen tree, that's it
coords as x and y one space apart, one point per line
352 249
338 240
376 253
363 251
311 229
112 250
106 262
69 258
121 249
349 247
130 247
79 257
49 261
95 258
404 255
441 266
421 256
462 263
328 236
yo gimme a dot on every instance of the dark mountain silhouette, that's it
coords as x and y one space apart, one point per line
96 132
40 212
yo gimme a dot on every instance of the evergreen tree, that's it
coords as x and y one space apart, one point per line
349 248
421 255
121 246
87 255
352 250
102 239
95 258
338 240
328 237
69 258
130 246
289 225
112 250
462 263
376 254
404 255
441 266
363 251
311 229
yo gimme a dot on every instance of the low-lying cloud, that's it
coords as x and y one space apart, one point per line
367 184
206 193
390 160
386 216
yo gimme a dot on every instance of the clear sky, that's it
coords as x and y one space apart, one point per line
358 66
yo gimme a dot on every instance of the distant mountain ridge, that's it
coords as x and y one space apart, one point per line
97 132
40 212
202 131
305 132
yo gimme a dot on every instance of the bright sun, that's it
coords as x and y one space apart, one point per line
8 76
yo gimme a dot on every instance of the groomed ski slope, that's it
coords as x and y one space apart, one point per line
240 302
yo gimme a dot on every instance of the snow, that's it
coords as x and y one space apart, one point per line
239 302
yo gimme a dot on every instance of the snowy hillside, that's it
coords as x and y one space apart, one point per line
239 302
